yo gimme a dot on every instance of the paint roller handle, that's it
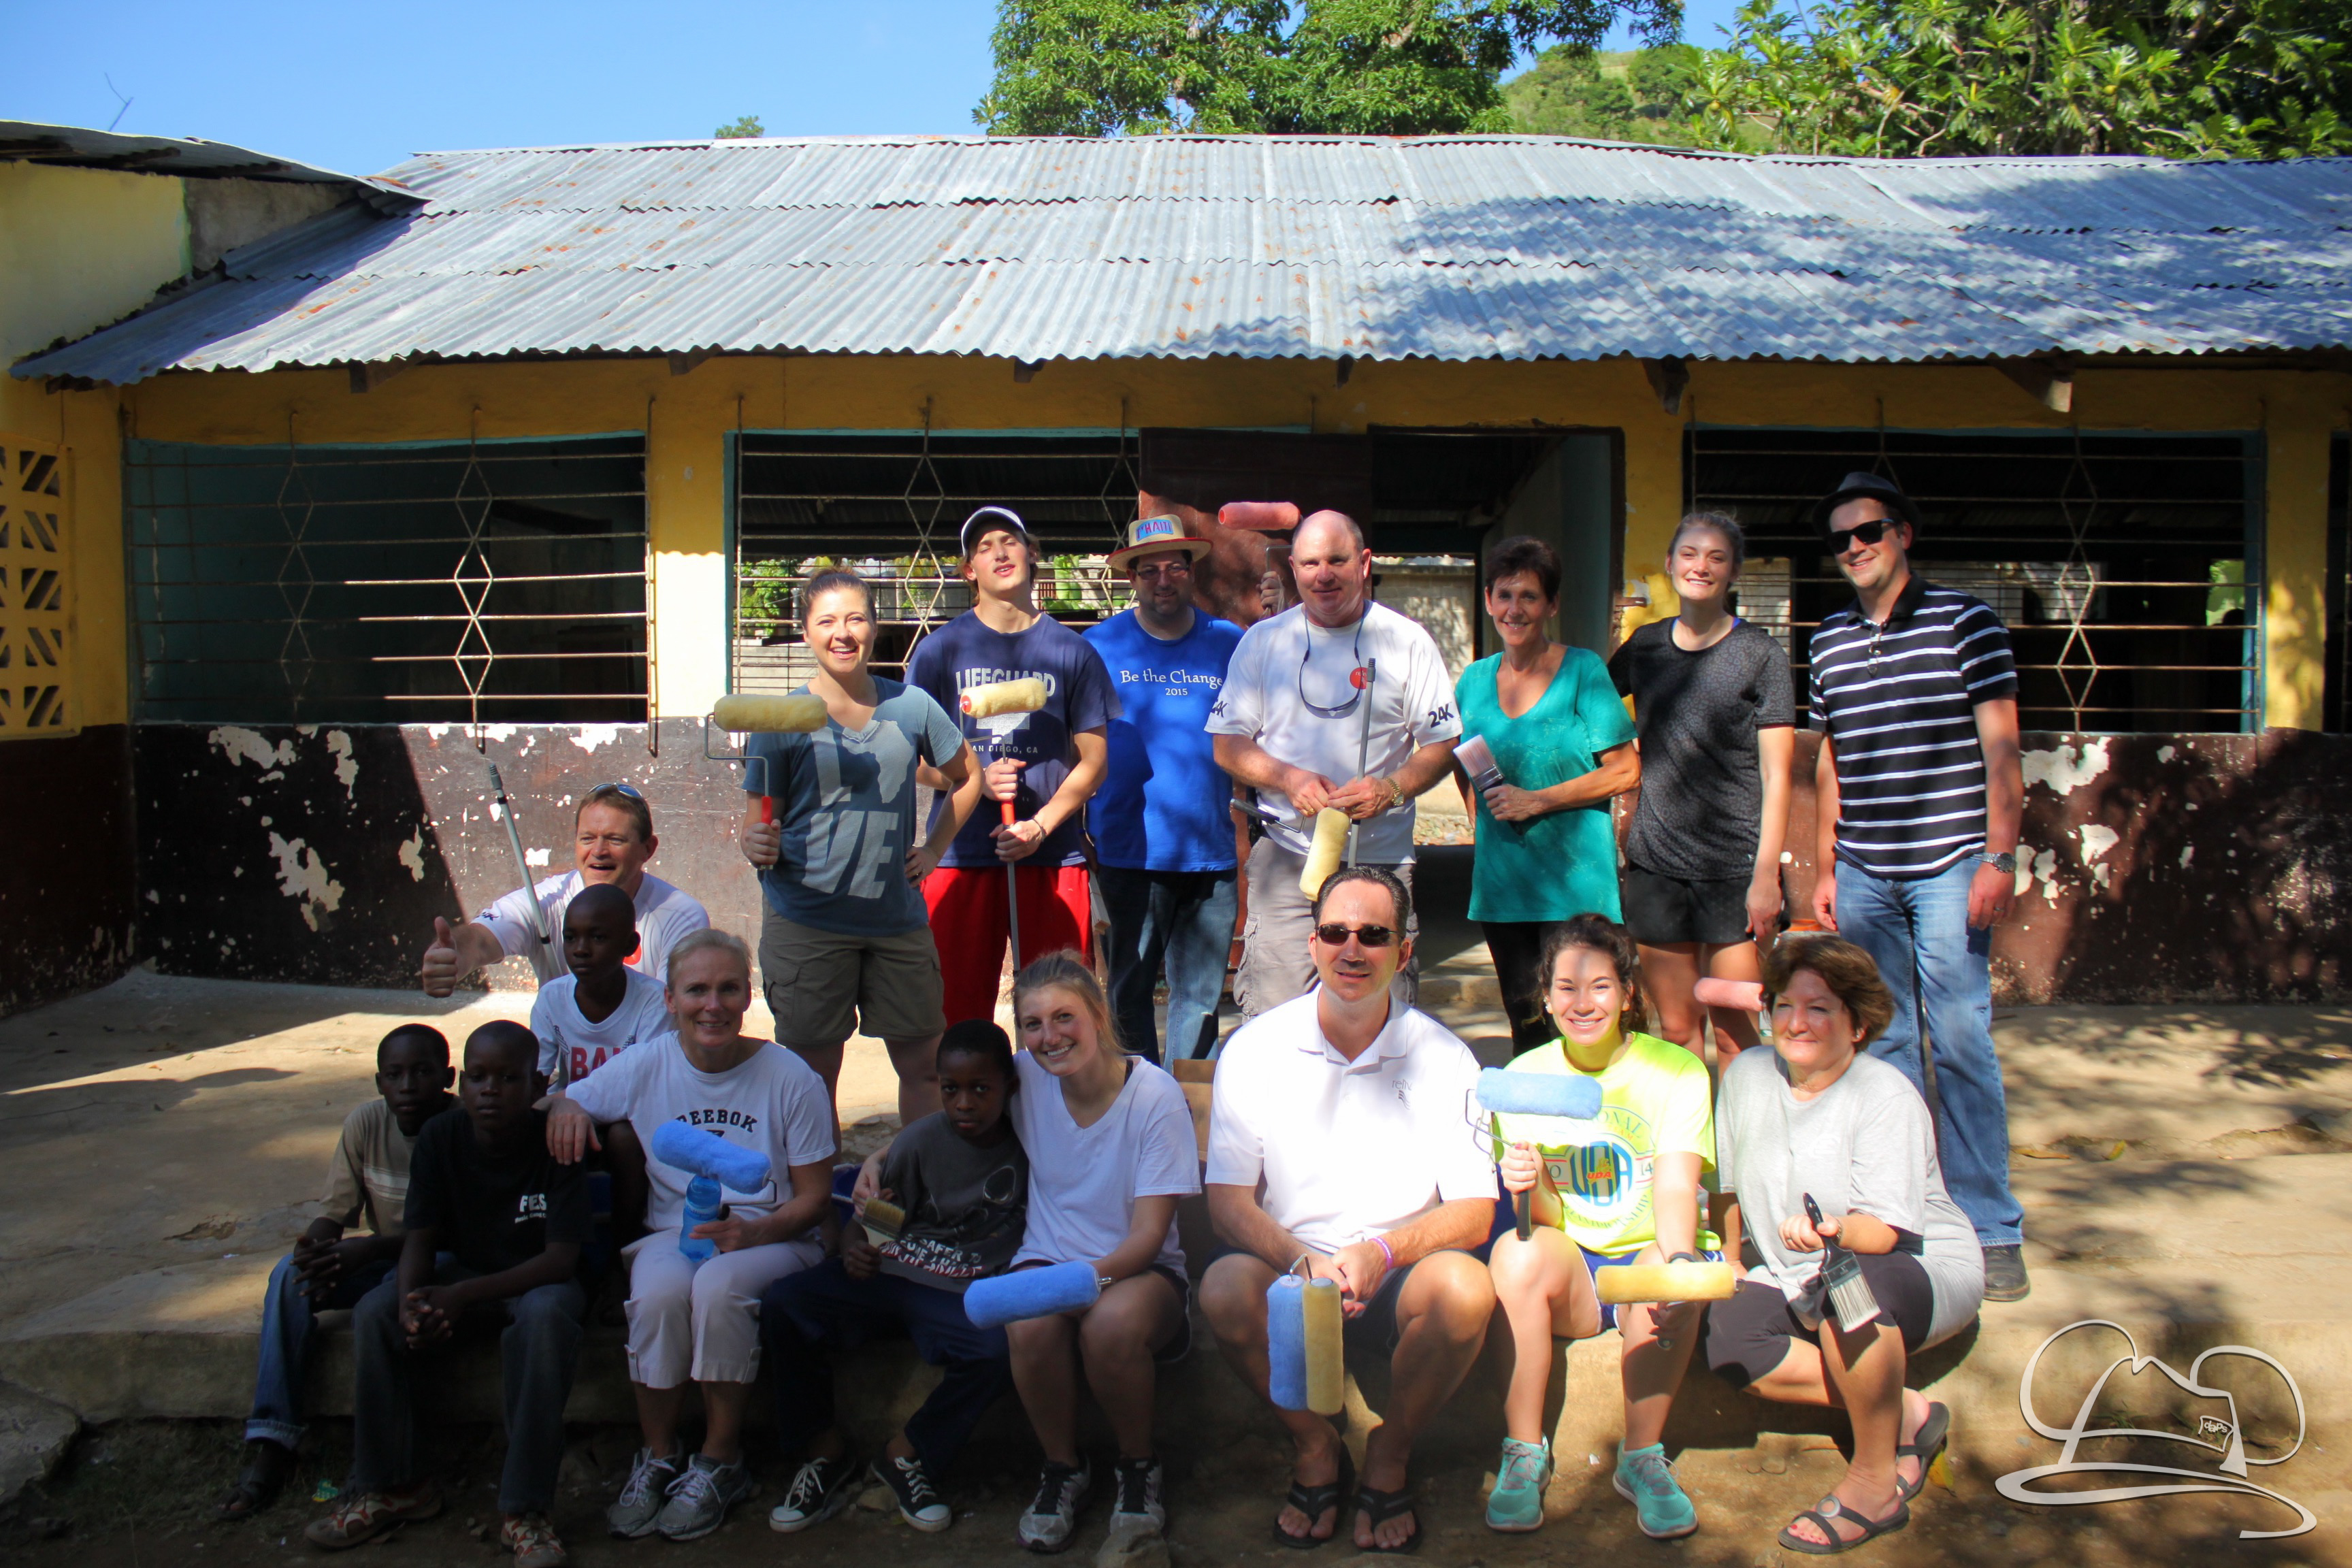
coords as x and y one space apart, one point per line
1522 1168
1732 996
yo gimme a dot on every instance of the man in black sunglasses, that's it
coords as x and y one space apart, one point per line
1922 793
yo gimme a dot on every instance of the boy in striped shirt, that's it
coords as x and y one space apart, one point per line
1922 791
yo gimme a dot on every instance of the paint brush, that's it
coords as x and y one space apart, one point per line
1849 1293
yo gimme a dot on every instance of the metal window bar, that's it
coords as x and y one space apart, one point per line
889 507
451 581
2120 563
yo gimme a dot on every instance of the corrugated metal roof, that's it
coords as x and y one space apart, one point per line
80 147
1450 247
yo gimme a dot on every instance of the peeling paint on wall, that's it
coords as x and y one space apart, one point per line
534 857
302 875
2096 841
347 767
412 854
588 737
240 744
2062 770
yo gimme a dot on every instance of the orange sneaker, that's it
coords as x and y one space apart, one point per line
360 1517
533 1540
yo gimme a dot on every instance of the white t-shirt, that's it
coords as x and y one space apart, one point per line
664 915
1084 1181
1411 699
771 1102
565 1034
1342 1150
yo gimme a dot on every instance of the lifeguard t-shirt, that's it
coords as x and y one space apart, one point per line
1654 1099
968 652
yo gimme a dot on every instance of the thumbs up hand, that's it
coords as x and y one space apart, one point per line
441 960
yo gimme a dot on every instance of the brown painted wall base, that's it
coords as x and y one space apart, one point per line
64 902
2203 868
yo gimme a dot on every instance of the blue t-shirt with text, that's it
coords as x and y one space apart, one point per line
968 652
1163 807
846 801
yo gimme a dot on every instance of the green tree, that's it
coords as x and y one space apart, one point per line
742 130
2174 78
1636 96
1101 67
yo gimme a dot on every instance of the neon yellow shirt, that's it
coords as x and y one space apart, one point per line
1654 1099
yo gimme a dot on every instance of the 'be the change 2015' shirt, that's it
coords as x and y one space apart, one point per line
771 1102
968 652
495 1211
845 802
1163 805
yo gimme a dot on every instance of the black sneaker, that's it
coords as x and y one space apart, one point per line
2005 1277
920 1503
820 1488
1138 1505
1052 1514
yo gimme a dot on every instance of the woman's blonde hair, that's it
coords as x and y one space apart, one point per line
702 940
1065 971
1851 973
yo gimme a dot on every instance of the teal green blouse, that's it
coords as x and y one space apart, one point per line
1564 863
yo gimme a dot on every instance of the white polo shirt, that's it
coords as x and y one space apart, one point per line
1340 1151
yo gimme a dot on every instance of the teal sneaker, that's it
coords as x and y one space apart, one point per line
1646 1479
1521 1475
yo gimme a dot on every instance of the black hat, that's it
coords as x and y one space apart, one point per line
1868 487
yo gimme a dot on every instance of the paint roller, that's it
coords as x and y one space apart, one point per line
701 1152
794 715
1731 995
1307 1363
1031 1293
883 1219
1573 1097
1001 707
1639 1283
1259 516
1331 826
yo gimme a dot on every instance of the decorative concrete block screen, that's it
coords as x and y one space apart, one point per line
36 592
498 582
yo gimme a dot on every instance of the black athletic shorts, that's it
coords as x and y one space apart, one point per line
1748 1335
1662 910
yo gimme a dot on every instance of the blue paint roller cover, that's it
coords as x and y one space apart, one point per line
1031 1293
1577 1098
1285 1340
705 1153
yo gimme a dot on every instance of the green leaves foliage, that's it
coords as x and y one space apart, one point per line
745 129
1100 67
1630 96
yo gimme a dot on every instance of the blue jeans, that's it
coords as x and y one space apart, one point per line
1184 919
288 1318
1941 974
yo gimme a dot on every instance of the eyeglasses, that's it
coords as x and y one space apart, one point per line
1357 678
1164 569
1870 533
605 789
1336 935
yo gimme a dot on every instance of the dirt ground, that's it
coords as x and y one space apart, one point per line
139 1494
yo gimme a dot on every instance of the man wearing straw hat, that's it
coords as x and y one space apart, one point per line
1341 702
1164 859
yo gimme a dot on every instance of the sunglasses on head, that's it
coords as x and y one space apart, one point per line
1870 532
629 790
1336 935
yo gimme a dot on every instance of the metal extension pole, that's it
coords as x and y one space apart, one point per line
529 892
1363 744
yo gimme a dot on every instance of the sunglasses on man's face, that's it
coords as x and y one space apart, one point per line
1870 532
1336 935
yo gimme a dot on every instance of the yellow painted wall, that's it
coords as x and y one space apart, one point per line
80 249
688 417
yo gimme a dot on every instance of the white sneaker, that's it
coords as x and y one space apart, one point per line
1138 1505
1052 1514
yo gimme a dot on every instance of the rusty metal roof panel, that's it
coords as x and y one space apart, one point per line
1184 246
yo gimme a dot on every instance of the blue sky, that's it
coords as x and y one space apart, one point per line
359 87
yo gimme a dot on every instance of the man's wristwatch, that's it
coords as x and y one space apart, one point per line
2005 862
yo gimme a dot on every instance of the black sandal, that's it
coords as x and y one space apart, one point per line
1829 1509
1380 1507
1312 1500
268 1468
1934 1432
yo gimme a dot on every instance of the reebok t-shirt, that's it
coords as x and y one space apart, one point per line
968 652
1163 805
566 1036
846 801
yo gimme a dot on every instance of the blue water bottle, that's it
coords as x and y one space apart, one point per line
702 1207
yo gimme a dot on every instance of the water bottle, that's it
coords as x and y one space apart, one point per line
702 1207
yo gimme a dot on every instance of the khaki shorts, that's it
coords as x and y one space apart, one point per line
1277 963
824 987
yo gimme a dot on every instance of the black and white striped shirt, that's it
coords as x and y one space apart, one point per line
1898 702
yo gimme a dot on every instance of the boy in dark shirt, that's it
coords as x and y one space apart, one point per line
963 1182
494 1223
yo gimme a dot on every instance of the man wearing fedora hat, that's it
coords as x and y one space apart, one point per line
1164 853
1046 765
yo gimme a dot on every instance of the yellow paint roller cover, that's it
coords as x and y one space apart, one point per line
1326 1364
1023 696
1323 856
1666 1282
797 714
